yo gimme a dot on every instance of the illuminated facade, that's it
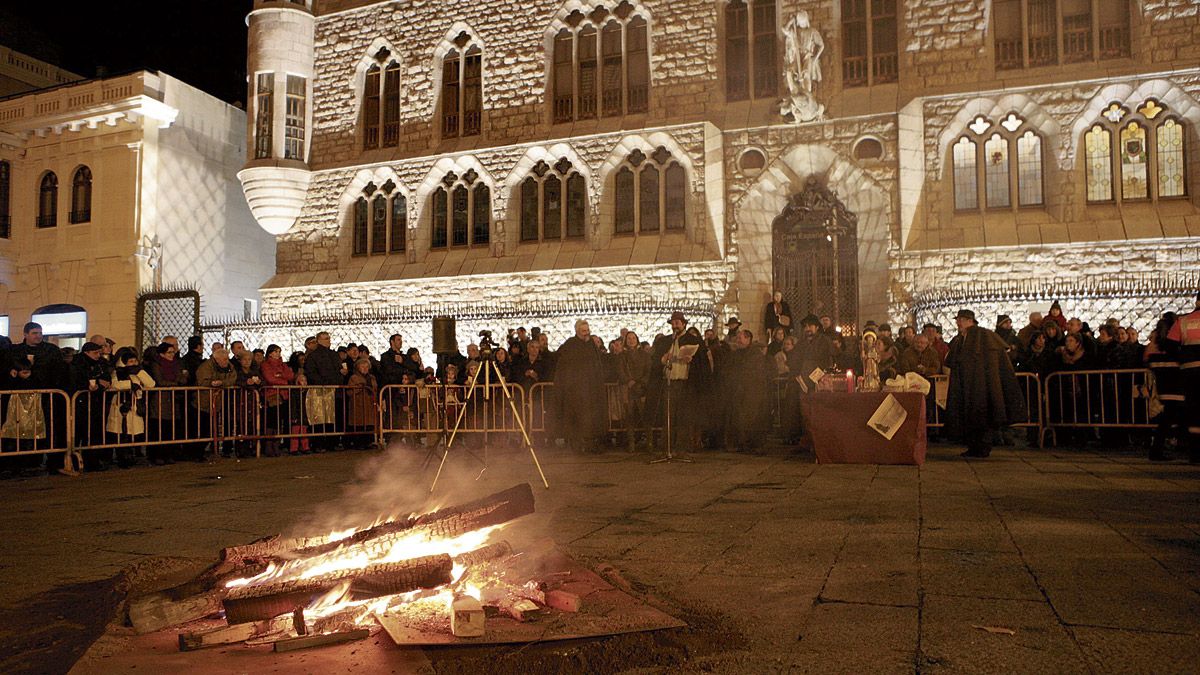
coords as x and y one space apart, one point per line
114 185
466 155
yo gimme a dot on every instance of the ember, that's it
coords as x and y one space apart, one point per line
281 589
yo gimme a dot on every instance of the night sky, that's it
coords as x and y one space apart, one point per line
202 42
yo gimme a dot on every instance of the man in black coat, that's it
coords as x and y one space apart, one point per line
394 363
322 368
984 394
579 384
671 353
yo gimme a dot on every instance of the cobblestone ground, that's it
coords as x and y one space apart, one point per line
1030 561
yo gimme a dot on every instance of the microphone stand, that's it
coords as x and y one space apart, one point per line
670 456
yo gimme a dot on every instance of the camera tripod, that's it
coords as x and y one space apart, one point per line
488 366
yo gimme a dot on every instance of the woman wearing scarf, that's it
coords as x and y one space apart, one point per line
165 406
127 409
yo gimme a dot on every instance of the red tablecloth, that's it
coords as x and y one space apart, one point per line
837 425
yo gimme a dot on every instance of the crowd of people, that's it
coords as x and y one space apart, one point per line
707 388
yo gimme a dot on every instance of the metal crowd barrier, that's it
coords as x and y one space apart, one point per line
435 408
621 414
44 421
1097 399
35 422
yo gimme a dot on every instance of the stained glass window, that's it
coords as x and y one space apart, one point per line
1029 170
1134 172
966 180
576 206
676 191
460 216
552 208
439 218
529 209
360 226
1098 147
481 215
648 199
1170 159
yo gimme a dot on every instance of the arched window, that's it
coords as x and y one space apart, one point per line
462 212
381 102
380 220
81 195
751 60
997 165
5 200
48 201
650 194
462 88
1148 146
553 202
601 64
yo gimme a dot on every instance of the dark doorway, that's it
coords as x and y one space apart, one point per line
815 256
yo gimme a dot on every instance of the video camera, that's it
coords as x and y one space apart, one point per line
486 346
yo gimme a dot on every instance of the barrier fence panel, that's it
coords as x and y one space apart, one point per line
318 411
540 404
35 421
1097 399
412 409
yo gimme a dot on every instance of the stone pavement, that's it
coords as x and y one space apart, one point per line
1031 561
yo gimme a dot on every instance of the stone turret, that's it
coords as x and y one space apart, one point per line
279 111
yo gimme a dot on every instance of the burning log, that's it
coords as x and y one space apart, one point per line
254 603
495 551
494 509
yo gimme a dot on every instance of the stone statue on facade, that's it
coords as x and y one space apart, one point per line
803 47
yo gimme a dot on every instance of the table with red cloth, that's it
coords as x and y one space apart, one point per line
836 424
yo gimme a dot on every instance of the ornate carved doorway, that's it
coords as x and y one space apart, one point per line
815 256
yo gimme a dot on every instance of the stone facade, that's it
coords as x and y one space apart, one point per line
911 239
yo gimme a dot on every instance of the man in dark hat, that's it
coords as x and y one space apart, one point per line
678 354
1184 339
733 326
984 394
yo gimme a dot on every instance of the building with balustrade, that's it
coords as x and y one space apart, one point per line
544 159
114 185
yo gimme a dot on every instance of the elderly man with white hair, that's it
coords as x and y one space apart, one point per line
579 384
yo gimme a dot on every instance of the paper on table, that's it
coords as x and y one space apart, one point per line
888 417
816 375
688 350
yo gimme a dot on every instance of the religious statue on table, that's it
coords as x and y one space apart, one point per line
803 47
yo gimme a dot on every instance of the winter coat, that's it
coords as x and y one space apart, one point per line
206 374
579 385
127 404
924 363
984 393
278 373
322 367
364 392
166 405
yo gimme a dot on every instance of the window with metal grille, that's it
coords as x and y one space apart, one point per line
997 165
601 64
462 89
462 212
870 45
553 202
650 194
47 215
1135 154
81 195
1034 33
263 114
294 122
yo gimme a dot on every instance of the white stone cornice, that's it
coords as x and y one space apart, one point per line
109 113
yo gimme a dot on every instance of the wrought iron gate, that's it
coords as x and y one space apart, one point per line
815 256
162 313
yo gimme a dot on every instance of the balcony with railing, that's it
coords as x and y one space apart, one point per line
854 71
887 68
1114 41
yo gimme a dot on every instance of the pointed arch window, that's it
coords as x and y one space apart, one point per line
462 212
462 88
380 220
48 201
81 195
650 194
601 64
381 102
5 200
1135 155
998 164
553 202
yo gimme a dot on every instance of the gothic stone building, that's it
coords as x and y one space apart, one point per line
483 154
